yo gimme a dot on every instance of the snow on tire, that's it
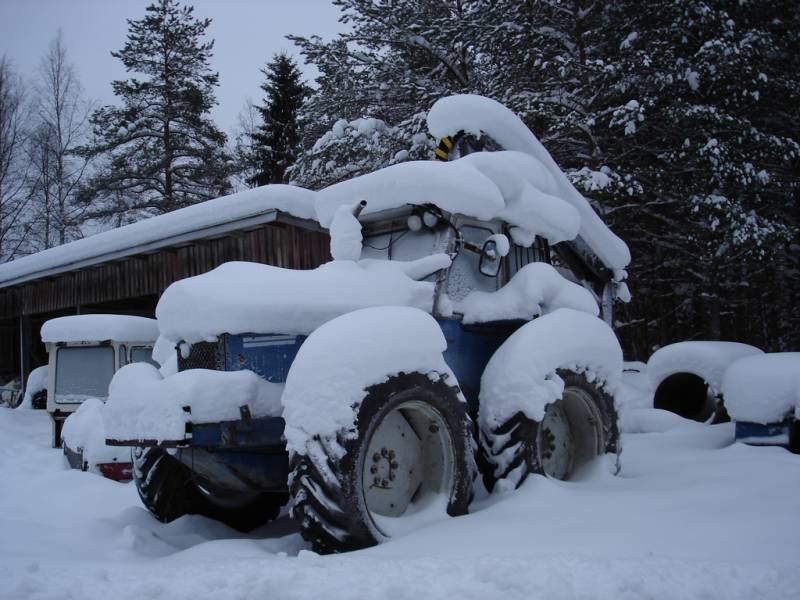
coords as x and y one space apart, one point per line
412 446
576 428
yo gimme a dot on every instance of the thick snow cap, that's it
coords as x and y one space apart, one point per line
241 297
486 185
707 360
89 328
536 289
521 375
142 404
764 388
326 382
478 115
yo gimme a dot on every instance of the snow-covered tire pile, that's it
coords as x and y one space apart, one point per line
413 438
577 428
686 377
168 490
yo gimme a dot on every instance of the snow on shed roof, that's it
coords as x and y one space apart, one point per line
187 223
88 328
477 115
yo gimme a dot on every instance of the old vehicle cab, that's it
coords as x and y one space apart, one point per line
84 353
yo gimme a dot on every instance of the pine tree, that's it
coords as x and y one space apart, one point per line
161 151
275 142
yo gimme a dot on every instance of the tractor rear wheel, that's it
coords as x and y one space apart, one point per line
169 490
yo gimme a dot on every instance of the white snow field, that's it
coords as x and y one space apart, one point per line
691 516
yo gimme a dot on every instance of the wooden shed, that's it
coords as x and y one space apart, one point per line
125 270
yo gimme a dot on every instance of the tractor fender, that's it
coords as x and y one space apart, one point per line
342 358
521 376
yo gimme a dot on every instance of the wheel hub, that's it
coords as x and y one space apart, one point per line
409 454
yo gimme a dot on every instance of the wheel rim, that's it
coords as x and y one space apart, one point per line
571 434
409 457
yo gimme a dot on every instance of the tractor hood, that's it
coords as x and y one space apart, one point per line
240 297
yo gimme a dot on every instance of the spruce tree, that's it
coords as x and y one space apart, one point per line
276 140
160 149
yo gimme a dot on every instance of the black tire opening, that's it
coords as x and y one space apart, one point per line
685 394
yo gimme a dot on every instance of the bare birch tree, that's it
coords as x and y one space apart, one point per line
13 166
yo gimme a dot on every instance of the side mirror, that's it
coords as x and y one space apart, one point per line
491 259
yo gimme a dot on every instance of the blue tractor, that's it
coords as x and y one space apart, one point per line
490 363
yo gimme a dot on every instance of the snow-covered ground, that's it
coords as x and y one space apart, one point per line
691 516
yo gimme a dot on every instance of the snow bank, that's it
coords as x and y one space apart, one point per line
326 382
144 405
240 297
85 433
78 328
477 115
662 531
764 388
707 360
521 375
536 289
37 381
649 420
296 201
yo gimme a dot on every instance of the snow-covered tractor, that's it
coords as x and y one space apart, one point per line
454 343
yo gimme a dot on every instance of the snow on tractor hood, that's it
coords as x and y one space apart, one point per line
241 297
89 328
478 115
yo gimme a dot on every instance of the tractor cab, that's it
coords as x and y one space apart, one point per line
84 353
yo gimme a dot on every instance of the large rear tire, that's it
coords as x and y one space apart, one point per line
411 446
577 428
169 490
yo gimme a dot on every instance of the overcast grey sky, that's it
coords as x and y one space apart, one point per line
247 33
